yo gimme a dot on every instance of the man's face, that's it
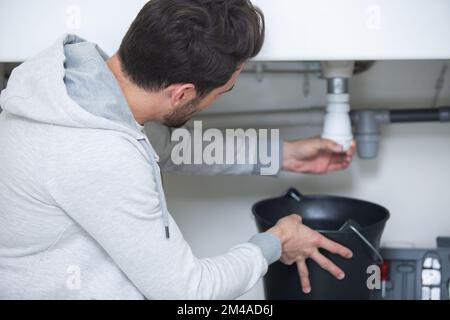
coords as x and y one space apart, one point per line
183 113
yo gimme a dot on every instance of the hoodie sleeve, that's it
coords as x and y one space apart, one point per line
110 191
245 147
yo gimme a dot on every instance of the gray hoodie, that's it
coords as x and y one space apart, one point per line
82 209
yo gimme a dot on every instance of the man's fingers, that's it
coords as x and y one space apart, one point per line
335 248
341 157
329 145
304 276
335 167
339 162
333 146
337 157
351 151
326 264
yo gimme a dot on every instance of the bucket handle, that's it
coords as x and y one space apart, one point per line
367 242
294 194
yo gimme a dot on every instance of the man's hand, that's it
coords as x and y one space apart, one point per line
316 156
299 243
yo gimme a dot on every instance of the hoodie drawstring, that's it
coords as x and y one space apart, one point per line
162 198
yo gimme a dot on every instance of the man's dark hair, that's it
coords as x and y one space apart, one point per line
202 42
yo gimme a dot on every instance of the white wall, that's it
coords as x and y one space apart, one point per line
410 177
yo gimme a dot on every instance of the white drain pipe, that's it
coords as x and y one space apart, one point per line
337 126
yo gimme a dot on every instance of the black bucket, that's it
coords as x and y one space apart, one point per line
356 224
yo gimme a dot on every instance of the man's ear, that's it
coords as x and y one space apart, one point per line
180 94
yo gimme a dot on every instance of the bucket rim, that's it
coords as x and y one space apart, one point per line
328 197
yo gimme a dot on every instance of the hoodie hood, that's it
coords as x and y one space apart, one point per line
70 85
38 90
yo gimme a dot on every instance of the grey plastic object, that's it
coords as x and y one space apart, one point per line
368 125
444 115
443 242
405 272
368 131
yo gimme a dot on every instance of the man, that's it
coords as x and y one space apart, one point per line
83 214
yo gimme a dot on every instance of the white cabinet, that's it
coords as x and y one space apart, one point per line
356 29
296 29
28 26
